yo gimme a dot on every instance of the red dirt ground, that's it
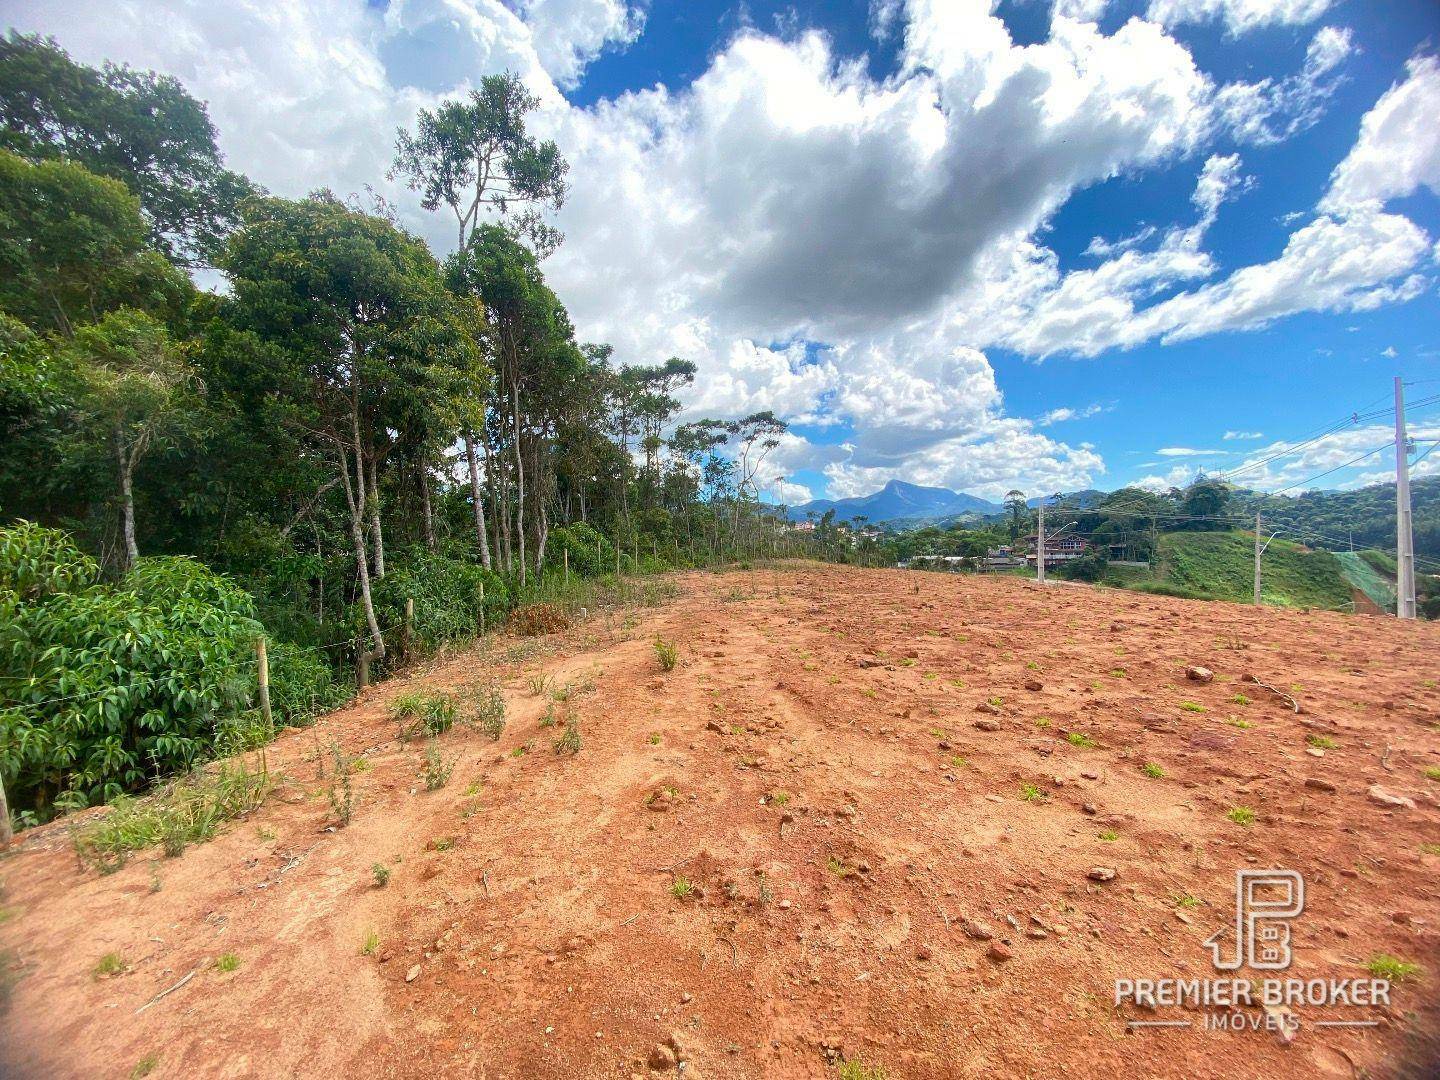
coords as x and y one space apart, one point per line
544 941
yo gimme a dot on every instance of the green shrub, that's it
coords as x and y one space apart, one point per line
1088 567
422 712
181 812
36 562
447 595
103 688
591 554
302 685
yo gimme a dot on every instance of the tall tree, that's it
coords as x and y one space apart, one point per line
476 155
72 247
137 127
137 397
363 333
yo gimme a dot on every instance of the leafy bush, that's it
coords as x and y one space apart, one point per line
302 685
420 712
591 554
1088 567
103 688
447 599
36 562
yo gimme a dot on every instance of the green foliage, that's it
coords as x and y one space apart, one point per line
569 739
856 1069
437 769
102 687
1221 566
447 594
591 554
140 128
487 710
1088 567
423 712
36 562
302 686
185 811
667 653
442 158
1385 966
72 246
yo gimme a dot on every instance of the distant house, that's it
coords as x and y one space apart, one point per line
803 526
1003 557
1058 549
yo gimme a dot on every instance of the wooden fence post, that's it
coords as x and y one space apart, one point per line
567 566
262 662
482 609
362 664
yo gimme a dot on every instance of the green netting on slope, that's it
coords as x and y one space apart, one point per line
1367 579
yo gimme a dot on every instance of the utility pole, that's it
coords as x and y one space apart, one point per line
1040 542
1258 550
1404 534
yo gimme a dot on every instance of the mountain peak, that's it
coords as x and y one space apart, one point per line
899 500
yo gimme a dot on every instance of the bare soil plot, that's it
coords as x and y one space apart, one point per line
857 820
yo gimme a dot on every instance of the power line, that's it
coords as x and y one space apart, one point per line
1327 472
1353 419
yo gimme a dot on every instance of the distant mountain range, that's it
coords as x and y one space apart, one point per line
899 501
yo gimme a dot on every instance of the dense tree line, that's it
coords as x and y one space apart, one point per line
348 423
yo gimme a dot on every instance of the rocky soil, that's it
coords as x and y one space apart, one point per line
919 821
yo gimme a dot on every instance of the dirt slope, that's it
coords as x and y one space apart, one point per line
530 900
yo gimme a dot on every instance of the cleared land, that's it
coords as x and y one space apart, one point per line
850 822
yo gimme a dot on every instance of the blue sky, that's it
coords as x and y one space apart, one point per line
1282 381
879 217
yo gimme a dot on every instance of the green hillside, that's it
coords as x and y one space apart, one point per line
1221 566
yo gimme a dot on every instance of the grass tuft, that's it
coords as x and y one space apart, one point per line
190 809
1385 966
667 652
111 963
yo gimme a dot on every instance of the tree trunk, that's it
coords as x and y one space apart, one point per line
477 501
373 501
543 540
355 498
127 499
519 475
427 513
